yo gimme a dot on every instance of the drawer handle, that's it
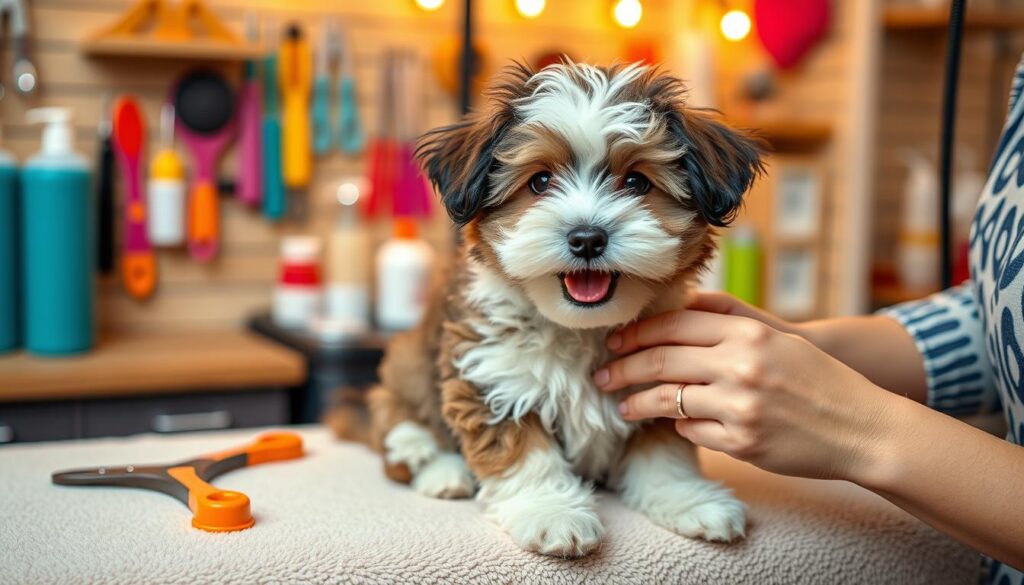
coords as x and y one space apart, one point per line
193 421
6 434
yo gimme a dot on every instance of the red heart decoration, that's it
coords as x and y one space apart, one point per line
790 28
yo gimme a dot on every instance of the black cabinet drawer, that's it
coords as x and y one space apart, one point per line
38 421
184 412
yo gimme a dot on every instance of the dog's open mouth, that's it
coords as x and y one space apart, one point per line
588 288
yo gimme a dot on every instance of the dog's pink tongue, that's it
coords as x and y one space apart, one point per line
588 286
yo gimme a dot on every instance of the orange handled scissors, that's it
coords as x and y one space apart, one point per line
213 509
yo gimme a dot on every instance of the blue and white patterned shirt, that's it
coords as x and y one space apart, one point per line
971 336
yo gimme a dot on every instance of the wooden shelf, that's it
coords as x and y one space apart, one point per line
207 50
937 19
788 135
132 365
162 28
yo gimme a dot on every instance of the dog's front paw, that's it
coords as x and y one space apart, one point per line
567 532
722 520
445 477
410 444
544 507
700 510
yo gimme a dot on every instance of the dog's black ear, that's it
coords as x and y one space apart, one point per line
459 160
721 164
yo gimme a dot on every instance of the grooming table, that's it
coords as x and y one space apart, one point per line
332 517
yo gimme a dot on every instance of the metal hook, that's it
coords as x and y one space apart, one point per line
25 76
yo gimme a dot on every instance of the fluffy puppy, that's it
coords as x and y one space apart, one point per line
587 198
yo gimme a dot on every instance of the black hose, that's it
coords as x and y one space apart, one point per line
467 63
956 29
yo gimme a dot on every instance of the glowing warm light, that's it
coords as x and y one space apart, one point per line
735 25
429 4
530 8
627 12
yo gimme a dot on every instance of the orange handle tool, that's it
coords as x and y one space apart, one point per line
213 509
203 221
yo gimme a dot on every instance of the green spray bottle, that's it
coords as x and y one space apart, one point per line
742 259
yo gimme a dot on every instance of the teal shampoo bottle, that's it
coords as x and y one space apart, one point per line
10 307
57 242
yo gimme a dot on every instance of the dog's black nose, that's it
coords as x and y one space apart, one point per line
587 242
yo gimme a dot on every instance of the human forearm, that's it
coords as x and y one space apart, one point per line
741 386
877 347
956 478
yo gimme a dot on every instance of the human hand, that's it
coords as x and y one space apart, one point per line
752 391
726 304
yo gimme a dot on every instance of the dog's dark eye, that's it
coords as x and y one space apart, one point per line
637 183
540 182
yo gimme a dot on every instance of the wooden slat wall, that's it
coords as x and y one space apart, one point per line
819 89
193 296
910 105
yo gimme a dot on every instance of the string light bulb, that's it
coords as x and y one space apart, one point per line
530 8
429 5
735 25
627 13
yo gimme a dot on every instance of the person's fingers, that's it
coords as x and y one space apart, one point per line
665 363
713 402
714 302
698 401
659 402
706 433
726 304
682 327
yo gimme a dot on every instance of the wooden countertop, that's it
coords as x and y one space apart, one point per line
132 365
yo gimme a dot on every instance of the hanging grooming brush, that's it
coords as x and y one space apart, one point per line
351 137
249 185
138 263
412 193
295 74
381 166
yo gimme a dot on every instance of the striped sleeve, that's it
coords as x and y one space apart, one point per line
949 333
1015 87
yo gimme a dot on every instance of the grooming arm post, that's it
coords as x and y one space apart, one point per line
956 26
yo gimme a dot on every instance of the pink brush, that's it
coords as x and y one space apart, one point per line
138 264
249 119
249 186
204 104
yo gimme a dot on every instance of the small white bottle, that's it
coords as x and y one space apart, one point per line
404 263
919 230
298 296
348 264
165 194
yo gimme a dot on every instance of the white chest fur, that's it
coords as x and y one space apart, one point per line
525 363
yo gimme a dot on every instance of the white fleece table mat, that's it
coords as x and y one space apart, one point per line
332 517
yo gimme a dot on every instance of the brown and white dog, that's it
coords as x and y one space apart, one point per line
587 198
